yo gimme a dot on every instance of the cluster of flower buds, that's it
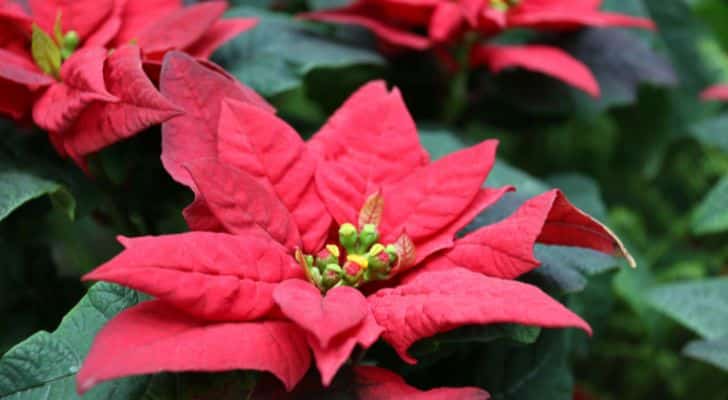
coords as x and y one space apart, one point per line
364 259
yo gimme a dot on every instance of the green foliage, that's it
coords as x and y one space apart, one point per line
711 216
277 55
18 187
44 366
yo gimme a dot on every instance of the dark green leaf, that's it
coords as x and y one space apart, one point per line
18 187
711 216
276 55
701 305
44 366
712 132
713 352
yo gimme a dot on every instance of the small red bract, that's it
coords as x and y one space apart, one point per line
87 69
717 92
320 246
398 24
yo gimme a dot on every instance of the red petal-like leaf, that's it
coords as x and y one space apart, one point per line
82 16
358 14
140 106
329 359
446 21
380 384
153 337
569 226
140 14
108 29
371 211
560 15
220 32
181 28
213 276
254 140
361 153
20 70
16 100
241 203
445 238
438 301
198 90
433 197
505 249
547 60
82 82
342 309
717 92
387 146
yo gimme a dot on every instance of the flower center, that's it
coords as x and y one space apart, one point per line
48 51
503 5
358 258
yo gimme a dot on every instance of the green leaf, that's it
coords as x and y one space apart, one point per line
711 216
44 366
713 352
276 55
712 132
46 53
535 372
18 187
701 306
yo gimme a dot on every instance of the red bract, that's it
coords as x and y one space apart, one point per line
84 67
717 92
323 246
398 23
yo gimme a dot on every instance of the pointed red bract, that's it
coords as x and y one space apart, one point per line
439 301
180 28
254 140
375 383
154 337
199 91
82 82
241 204
325 317
547 60
139 14
432 197
569 226
139 107
329 359
717 92
388 146
219 33
361 14
362 153
505 249
444 238
568 15
82 16
213 276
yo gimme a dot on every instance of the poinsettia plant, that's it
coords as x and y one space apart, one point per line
320 247
470 27
86 70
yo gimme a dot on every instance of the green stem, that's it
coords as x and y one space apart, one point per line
457 98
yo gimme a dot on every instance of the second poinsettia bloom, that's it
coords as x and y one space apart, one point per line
86 69
315 248
421 25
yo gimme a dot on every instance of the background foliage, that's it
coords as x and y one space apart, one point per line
649 158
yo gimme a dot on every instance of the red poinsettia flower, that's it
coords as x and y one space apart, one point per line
717 92
321 246
84 66
398 23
